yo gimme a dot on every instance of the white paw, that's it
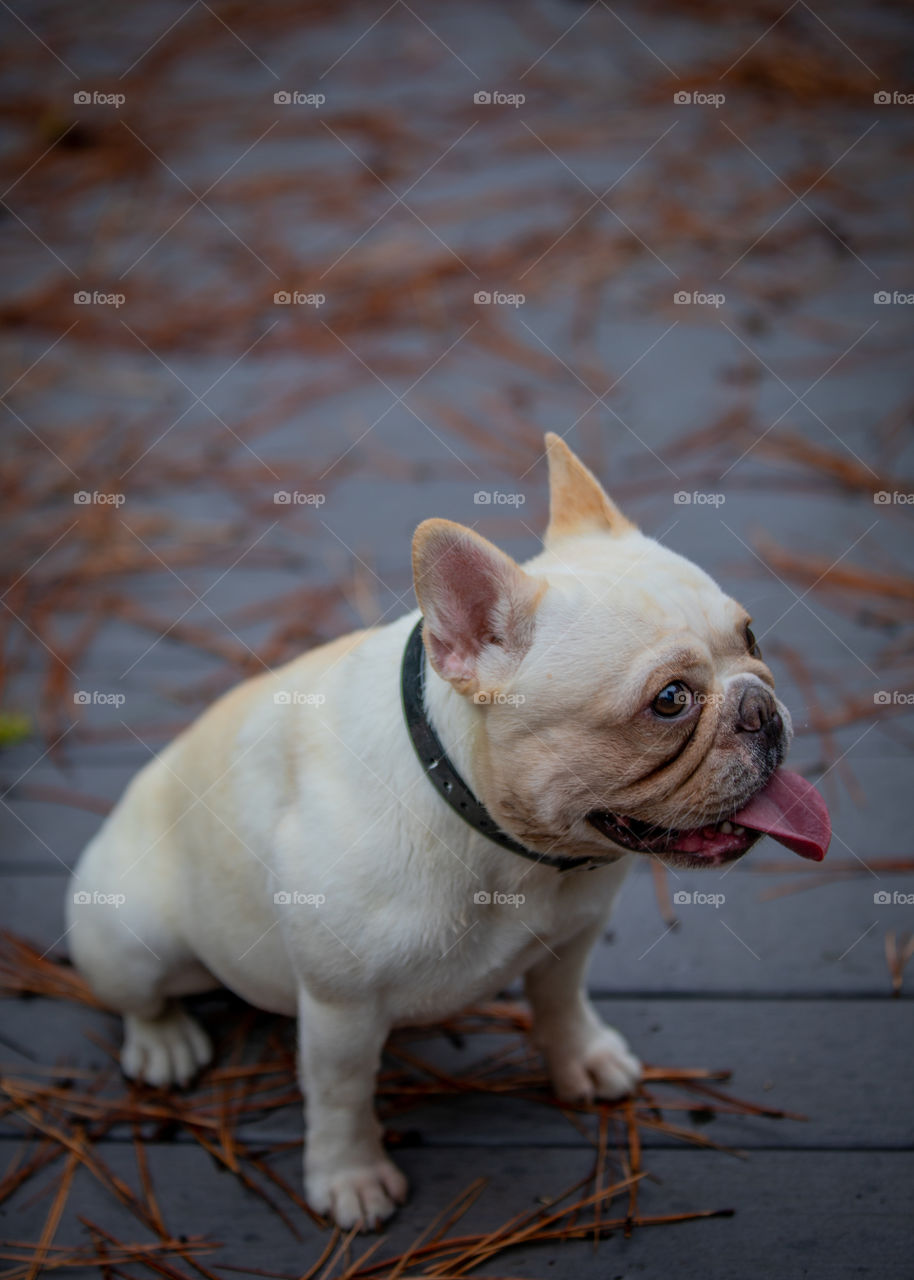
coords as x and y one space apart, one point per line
602 1066
166 1050
364 1196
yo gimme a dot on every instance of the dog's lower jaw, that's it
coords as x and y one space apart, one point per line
713 845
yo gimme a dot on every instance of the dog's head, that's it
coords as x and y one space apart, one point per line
622 701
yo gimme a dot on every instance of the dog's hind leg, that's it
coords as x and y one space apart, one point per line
122 942
167 1049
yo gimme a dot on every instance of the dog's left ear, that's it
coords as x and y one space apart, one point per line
478 603
578 503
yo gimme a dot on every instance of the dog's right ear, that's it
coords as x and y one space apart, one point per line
578 503
478 603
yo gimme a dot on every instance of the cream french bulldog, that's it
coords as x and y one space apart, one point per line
404 821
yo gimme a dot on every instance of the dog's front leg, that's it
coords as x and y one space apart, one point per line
585 1057
347 1174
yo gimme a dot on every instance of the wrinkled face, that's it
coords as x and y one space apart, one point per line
622 705
641 717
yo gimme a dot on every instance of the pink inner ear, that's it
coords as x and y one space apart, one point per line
461 601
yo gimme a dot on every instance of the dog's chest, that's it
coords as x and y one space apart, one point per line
462 956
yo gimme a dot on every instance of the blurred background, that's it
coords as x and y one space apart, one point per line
282 280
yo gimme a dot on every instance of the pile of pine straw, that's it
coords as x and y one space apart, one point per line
67 1112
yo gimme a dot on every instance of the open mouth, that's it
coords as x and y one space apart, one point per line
718 841
787 808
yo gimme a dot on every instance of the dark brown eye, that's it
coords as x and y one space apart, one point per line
752 643
672 700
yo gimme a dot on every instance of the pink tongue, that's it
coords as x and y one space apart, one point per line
790 810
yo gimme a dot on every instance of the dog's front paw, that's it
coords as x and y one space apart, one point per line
362 1196
598 1066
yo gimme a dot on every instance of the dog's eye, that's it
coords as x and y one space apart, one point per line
672 699
752 643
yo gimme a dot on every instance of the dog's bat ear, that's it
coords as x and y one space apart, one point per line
478 603
578 503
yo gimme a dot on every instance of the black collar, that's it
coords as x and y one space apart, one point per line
439 769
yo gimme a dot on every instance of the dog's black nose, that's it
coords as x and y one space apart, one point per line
758 713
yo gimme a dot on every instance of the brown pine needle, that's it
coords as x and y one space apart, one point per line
897 955
634 1155
53 1219
142 1165
335 1236
71 1112
661 879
